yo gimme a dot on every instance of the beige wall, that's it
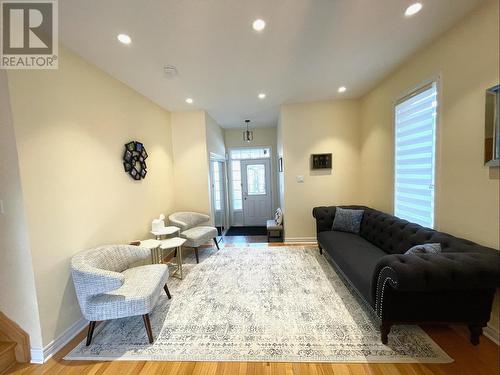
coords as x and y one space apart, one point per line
215 136
261 137
313 128
466 59
215 145
71 125
17 281
189 137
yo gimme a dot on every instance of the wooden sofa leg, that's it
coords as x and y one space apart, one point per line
165 288
147 324
475 332
196 255
90 333
216 243
385 329
320 249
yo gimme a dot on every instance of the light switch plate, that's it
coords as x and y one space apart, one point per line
1 207
300 179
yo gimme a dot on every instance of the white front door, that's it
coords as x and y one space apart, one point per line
256 191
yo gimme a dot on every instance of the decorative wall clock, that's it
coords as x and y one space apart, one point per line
134 160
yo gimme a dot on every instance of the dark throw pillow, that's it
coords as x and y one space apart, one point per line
347 220
426 248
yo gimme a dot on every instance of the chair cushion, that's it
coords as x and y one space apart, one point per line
271 225
186 220
137 296
355 256
199 235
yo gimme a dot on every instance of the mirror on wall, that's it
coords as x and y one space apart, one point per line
491 127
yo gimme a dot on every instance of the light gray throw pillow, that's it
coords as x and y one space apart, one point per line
347 220
278 216
426 248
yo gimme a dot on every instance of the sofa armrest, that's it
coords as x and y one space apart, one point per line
324 218
435 272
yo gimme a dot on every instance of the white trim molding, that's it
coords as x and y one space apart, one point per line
300 239
492 333
42 355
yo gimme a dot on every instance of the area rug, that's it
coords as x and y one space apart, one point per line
269 304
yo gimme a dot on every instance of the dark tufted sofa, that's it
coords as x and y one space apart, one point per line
455 286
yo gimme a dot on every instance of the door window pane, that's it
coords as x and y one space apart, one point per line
250 153
256 179
415 154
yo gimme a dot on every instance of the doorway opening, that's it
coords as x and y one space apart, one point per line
250 183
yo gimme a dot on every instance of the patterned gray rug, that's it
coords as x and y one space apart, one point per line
270 304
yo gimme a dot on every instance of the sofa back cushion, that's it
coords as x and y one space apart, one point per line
395 235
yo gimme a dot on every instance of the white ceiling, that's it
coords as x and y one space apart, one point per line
308 49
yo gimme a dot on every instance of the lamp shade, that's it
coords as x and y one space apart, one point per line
247 134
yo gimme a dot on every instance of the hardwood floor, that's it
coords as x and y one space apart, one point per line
469 360
242 240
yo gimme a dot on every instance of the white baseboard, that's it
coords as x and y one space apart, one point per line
36 355
40 356
300 239
492 333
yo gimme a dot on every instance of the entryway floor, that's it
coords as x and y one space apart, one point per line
247 231
240 240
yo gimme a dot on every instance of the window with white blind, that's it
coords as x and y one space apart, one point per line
415 156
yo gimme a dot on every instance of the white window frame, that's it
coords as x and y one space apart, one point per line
436 80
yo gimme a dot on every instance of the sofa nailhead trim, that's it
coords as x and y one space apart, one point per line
379 304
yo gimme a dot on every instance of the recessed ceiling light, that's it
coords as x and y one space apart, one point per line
259 25
189 101
124 38
342 89
413 9
262 95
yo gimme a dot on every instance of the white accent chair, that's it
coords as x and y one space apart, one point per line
194 233
108 286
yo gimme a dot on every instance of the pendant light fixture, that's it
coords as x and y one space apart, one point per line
247 134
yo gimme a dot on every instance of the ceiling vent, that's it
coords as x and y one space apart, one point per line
170 71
